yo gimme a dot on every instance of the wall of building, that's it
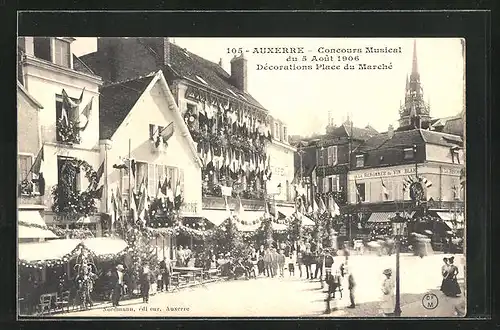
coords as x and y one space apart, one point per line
282 161
436 153
443 178
153 108
44 80
27 126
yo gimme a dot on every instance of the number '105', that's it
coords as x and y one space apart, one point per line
235 50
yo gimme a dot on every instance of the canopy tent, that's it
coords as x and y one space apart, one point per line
380 217
58 248
105 245
33 232
32 225
452 220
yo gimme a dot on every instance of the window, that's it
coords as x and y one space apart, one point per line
408 153
154 131
332 155
360 160
455 155
276 131
285 134
72 116
41 48
322 156
157 174
141 174
72 178
61 53
333 183
24 163
361 191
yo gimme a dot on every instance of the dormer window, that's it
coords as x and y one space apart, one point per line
41 48
360 160
62 55
455 155
408 153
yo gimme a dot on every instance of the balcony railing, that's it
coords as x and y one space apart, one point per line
215 190
211 202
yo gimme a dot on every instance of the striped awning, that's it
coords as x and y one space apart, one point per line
381 216
49 250
31 217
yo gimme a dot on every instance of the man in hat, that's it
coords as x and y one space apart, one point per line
388 287
116 284
351 286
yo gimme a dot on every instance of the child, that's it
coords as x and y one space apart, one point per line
291 264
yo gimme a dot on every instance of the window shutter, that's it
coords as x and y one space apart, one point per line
334 155
329 155
57 52
325 184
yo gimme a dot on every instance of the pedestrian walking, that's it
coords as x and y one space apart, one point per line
145 281
260 260
320 259
116 279
307 257
352 287
291 264
274 261
267 263
388 293
281 262
299 261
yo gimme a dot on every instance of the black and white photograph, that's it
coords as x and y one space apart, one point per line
241 177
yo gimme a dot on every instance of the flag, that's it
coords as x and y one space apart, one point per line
164 187
133 207
315 207
159 193
70 102
239 209
100 172
37 166
334 208
358 194
70 107
321 206
266 210
114 208
119 200
385 192
426 182
86 112
178 193
170 192
228 210
167 132
142 207
98 192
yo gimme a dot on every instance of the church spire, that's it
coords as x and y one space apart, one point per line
414 66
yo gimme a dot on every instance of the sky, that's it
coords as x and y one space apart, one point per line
304 98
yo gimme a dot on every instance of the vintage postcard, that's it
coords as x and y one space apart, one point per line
241 177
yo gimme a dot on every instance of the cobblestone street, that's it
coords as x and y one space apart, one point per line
297 297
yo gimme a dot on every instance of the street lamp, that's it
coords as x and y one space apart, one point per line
398 228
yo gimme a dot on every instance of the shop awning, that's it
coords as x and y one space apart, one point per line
286 211
105 245
380 217
49 250
31 217
448 216
34 232
215 216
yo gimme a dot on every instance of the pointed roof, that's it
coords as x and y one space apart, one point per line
414 65
116 101
30 98
119 100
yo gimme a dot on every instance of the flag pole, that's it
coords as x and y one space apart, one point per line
129 179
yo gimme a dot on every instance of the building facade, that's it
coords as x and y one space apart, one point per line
134 115
232 131
46 71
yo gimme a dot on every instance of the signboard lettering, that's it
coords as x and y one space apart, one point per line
191 208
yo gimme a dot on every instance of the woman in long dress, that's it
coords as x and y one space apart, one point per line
444 272
452 288
388 286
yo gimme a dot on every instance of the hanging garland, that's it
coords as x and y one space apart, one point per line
68 202
68 132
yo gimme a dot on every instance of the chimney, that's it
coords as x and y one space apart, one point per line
220 62
390 131
239 72
166 51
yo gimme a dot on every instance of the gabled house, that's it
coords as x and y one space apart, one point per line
141 123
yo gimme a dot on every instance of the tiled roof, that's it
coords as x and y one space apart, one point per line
80 66
188 65
442 139
116 101
183 64
454 126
